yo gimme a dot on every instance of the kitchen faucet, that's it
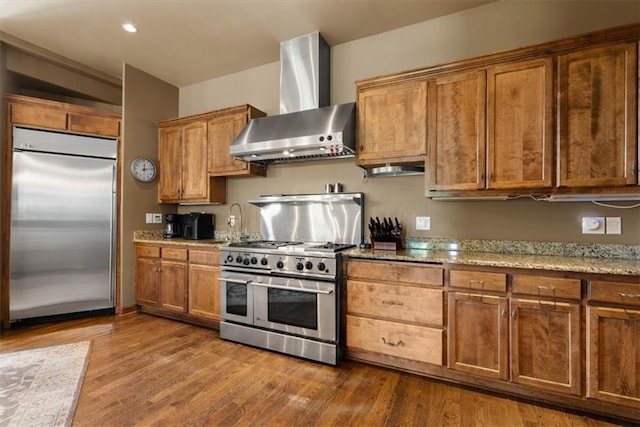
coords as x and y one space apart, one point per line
231 221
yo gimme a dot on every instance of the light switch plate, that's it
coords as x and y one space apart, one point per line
593 225
614 225
149 218
157 218
423 223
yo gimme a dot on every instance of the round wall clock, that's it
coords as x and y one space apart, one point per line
143 169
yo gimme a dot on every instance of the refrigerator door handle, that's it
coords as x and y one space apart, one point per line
113 231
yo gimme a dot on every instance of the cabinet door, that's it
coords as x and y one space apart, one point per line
456 135
173 290
195 178
170 164
40 116
613 355
520 125
597 117
545 345
392 123
84 123
222 131
147 281
204 291
478 335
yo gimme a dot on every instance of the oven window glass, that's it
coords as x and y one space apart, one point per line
293 308
237 299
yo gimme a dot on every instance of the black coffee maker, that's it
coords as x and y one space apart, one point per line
172 226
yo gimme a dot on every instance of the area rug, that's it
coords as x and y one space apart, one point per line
40 387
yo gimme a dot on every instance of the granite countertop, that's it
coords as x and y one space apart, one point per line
155 237
597 259
627 267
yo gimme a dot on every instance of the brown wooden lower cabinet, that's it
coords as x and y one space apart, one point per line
204 284
178 283
545 345
478 334
513 331
613 355
402 340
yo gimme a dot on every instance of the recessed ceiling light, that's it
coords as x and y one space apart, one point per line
130 28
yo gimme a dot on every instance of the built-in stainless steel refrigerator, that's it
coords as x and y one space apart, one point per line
63 210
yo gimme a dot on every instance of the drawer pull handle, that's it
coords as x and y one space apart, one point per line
553 294
398 344
625 295
473 282
392 302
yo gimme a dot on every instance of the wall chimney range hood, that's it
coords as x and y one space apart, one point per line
308 127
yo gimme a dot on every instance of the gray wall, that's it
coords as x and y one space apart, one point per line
146 101
490 28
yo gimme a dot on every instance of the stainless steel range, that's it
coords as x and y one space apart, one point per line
283 293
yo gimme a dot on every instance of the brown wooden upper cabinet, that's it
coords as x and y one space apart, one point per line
48 114
182 154
491 129
194 157
598 144
392 123
224 127
456 135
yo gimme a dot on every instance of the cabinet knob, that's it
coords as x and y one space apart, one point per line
513 314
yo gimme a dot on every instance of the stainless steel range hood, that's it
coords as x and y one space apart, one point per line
307 128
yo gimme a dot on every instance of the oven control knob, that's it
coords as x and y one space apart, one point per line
229 258
321 266
264 261
246 261
239 259
299 266
254 260
308 265
279 264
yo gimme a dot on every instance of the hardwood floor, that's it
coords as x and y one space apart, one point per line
144 370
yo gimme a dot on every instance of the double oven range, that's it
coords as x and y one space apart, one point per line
283 293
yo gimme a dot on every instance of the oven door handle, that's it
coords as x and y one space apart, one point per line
288 288
242 282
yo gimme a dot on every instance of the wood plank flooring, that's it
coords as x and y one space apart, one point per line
148 371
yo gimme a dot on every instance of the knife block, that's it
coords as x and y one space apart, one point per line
393 245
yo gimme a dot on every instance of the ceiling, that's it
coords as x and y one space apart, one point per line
188 41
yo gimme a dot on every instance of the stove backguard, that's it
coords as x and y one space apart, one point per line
335 217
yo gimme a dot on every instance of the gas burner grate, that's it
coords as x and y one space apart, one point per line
263 244
329 247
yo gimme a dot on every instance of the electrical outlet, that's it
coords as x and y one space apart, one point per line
157 218
149 218
231 221
614 225
593 225
423 223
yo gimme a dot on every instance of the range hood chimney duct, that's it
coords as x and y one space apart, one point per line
308 127
305 70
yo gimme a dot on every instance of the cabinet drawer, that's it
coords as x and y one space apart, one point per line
107 126
174 253
547 287
395 272
148 251
197 256
38 116
396 302
478 280
411 342
615 292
